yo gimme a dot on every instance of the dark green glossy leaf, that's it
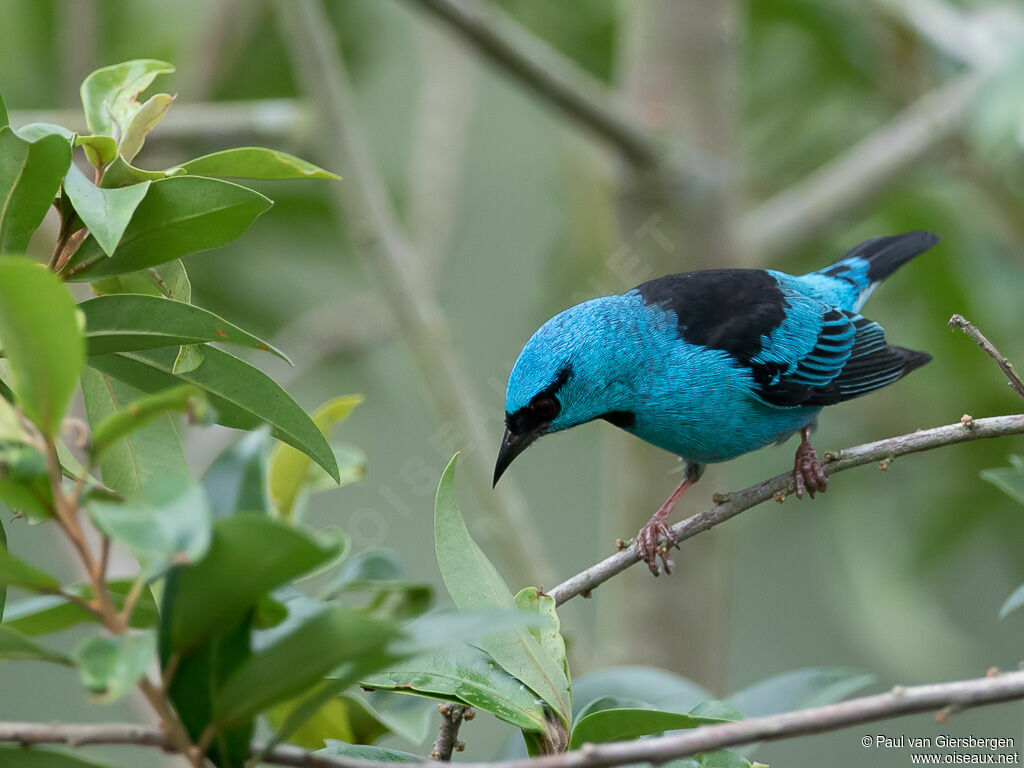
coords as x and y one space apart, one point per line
110 666
17 757
333 637
364 752
30 177
466 675
249 555
164 524
252 163
237 479
109 94
625 724
106 212
290 469
475 585
151 452
44 614
243 396
128 322
17 647
1010 480
178 216
41 340
801 688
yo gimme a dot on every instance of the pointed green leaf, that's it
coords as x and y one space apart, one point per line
110 666
363 752
36 131
659 688
237 479
252 163
465 675
333 637
474 584
109 94
249 555
129 322
168 280
42 342
17 757
121 173
30 177
799 689
151 452
242 396
181 399
290 469
1010 480
17 647
549 632
163 525
178 216
106 212
142 122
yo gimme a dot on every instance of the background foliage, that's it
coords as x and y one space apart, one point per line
907 589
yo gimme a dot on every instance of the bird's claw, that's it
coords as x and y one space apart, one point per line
654 541
808 472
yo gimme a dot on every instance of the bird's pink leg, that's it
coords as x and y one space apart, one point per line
656 529
808 472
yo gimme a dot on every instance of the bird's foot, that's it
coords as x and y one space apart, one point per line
654 541
808 471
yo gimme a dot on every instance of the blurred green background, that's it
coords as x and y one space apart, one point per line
518 212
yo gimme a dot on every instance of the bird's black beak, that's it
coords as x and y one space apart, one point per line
511 446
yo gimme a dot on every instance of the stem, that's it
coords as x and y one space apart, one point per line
959 321
447 739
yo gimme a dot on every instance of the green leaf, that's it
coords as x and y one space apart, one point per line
178 216
17 757
126 322
165 524
3 533
106 212
625 724
150 452
37 131
364 752
549 632
799 689
24 479
15 646
110 666
44 614
4 121
1013 602
249 555
242 396
190 357
659 688
99 150
333 637
290 469
41 340
465 675
30 177
237 479
16 572
121 423
1010 480
378 575
109 94
474 584
121 173
142 122
252 163
168 280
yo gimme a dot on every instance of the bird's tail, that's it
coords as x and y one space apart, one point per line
867 264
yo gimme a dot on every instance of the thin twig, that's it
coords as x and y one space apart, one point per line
778 487
958 695
959 321
447 739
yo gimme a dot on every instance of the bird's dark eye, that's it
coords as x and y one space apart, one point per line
545 408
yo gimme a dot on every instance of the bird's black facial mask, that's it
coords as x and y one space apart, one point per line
528 423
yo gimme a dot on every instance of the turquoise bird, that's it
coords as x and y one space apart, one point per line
711 365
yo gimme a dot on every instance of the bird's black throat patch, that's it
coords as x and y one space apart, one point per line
725 309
